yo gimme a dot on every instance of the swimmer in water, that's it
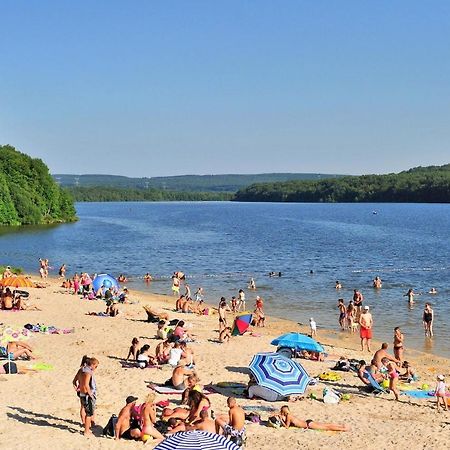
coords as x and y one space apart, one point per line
433 291
410 294
338 285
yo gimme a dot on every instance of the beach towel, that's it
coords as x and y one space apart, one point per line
417 394
42 366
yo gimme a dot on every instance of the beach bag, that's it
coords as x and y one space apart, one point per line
109 430
330 396
10 367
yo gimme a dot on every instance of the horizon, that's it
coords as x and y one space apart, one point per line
226 87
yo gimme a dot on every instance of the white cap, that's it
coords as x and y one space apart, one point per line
258 297
312 319
366 308
440 377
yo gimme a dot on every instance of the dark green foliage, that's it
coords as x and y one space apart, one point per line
188 183
110 194
418 185
28 193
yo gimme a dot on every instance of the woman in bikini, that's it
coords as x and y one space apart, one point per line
427 318
393 376
145 416
398 343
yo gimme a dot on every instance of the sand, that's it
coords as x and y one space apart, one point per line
41 410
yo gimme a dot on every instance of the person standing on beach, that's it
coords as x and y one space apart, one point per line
365 331
342 313
222 314
241 302
350 316
398 344
88 393
187 292
427 318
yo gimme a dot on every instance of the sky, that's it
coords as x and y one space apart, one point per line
155 88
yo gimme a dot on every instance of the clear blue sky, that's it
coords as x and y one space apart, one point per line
148 88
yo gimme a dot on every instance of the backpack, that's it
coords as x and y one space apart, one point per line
109 430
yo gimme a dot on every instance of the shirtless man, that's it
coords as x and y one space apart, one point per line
232 426
178 377
124 427
365 331
20 348
88 393
7 299
205 423
382 354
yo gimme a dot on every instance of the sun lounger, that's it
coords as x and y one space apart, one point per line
377 388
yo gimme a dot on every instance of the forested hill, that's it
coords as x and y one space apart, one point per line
28 193
188 183
421 184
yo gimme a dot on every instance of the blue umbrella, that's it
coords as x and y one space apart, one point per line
283 375
298 341
104 280
196 440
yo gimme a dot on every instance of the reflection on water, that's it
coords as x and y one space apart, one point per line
221 245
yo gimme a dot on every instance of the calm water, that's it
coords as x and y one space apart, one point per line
220 245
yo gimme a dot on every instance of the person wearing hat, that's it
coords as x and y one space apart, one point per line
125 428
7 273
440 392
365 330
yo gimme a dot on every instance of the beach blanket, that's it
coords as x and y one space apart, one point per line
168 390
418 394
134 365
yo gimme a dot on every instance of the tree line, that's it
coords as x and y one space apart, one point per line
28 193
418 185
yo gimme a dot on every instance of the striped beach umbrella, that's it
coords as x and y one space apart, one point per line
16 282
283 375
241 323
196 440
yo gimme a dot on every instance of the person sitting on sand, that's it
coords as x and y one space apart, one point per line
181 333
145 416
112 309
162 352
20 349
134 349
177 379
181 300
188 306
125 427
144 359
382 353
225 335
289 420
162 331
7 299
233 425
410 374
192 384
196 402
7 272
175 354
205 423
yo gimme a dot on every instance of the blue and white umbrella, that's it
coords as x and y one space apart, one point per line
298 341
196 440
283 375
104 280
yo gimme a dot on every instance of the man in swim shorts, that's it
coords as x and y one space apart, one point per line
88 393
232 426
365 331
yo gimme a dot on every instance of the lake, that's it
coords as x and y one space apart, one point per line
220 245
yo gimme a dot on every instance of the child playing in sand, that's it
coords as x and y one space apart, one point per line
440 392
288 420
134 349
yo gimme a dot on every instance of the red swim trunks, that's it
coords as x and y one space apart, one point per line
365 333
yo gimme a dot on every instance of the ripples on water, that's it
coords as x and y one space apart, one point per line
220 245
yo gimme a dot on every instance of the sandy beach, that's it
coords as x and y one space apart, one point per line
41 409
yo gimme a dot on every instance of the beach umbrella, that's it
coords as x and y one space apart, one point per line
196 440
241 323
298 341
104 280
17 282
12 333
283 375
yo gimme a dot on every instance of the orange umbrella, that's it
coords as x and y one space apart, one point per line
16 282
